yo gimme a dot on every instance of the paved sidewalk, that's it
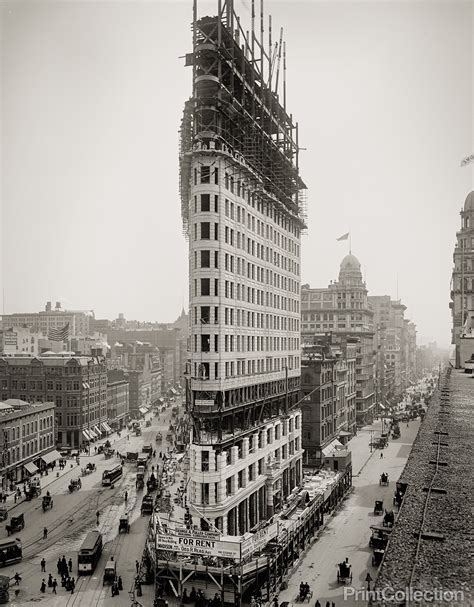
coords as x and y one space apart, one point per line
360 448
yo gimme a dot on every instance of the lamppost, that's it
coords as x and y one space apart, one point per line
371 439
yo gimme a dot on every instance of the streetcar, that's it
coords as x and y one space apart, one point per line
110 476
10 552
89 553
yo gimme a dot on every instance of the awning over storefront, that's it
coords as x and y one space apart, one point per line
50 457
86 435
382 407
143 410
93 435
106 427
344 433
333 446
30 468
97 430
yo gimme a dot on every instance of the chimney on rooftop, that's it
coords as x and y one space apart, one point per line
58 305
48 306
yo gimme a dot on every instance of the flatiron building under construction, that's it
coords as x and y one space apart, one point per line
247 515
242 210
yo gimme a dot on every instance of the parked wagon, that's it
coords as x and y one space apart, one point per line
379 537
377 557
344 573
389 518
17 523
47 502
147 505
378 507
152 483
32 492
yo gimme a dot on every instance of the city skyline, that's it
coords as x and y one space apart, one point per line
385 167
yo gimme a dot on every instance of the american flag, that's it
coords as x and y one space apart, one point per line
59 334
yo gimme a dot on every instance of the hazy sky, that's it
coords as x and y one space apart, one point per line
92 96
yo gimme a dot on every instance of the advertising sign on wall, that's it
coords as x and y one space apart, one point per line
199 545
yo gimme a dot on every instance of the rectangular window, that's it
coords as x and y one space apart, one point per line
205 174
205 314
205 230
205 202
205 286
205 259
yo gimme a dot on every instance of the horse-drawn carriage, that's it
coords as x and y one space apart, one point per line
124 524
305 594
140 482
47 502
75 485
389 518
379 538
378 542
31 492
88 469
344 572
384 482
378 507
152 483
110 572
147 505
17 523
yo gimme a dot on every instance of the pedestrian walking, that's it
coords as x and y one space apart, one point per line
137 565
55 585
43 565
59 566
317 604
328 604
381 455
126 496
50 580
120 583
368 579
69 564
73 584
15 497
333 604
43 586
64 568
45 533
17 579
97 515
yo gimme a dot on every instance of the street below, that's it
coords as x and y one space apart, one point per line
74 515
347 533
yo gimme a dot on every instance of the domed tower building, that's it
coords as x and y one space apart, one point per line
462 281
343 311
